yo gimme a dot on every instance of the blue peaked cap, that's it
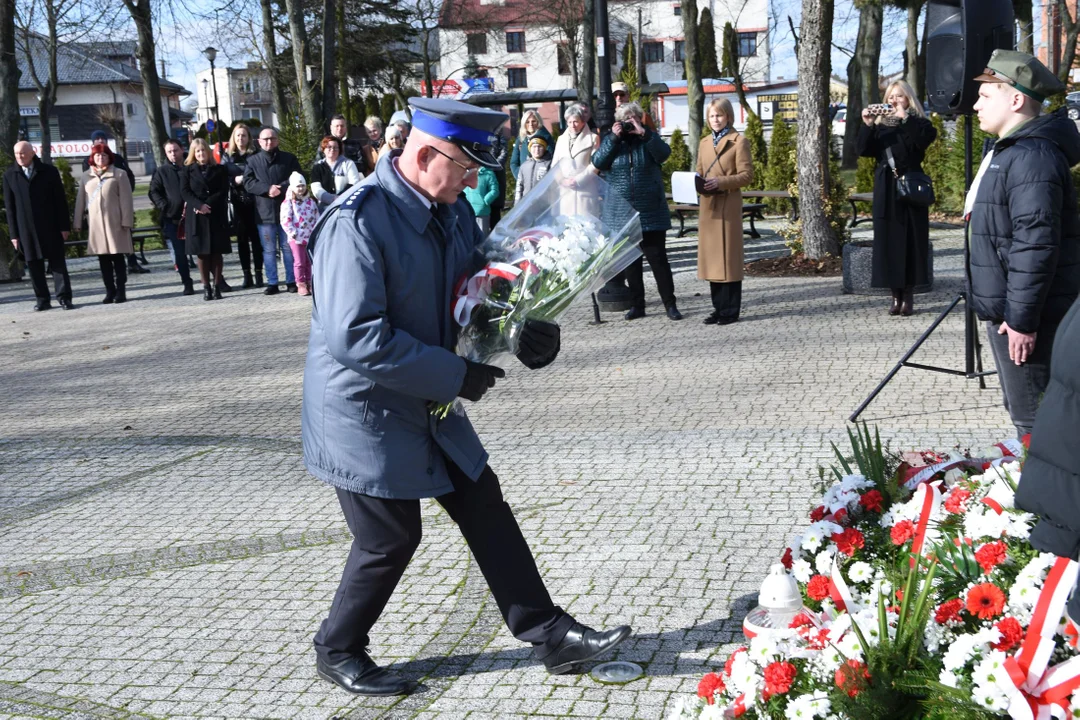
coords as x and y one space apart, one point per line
471 128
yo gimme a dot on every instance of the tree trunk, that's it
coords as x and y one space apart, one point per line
47 94
144 27
813 128
301 53
695 93
586 81
865 64
9 89
339 65
329 48
427 61
277 89
1023 11
1072 28
913 74
731 64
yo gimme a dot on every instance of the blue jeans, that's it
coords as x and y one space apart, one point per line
177 250
266 237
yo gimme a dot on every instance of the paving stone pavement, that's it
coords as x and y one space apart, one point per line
163 553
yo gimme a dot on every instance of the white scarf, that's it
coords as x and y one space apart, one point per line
969 201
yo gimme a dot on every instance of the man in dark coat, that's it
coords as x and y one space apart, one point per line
39 222
120 164
165 195
1050 483
359 151
266 176
1025 230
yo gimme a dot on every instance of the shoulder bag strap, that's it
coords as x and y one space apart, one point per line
892 162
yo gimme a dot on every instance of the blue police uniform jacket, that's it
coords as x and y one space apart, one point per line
381 345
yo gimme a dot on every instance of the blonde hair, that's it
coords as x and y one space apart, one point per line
724 106
195 145
629 110
373 122
913 107
522 132
234 146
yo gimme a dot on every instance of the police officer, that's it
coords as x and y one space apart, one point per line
385 259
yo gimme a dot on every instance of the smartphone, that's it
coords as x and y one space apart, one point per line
880 108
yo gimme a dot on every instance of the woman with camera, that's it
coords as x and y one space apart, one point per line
897 134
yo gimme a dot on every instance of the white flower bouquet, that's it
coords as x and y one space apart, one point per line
566 238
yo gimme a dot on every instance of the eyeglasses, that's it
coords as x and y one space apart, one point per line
469 171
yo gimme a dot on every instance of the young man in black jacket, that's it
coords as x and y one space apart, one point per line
266 176
165 195
1025 230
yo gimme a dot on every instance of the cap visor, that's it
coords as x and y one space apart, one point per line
485 158
990 79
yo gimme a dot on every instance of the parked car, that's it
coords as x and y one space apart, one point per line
840 122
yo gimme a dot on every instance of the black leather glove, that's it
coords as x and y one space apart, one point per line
479 378
539 344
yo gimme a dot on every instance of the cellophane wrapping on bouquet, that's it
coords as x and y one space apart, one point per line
566 238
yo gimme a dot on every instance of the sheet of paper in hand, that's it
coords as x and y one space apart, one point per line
685 187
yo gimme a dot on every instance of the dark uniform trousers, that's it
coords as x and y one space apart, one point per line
61 279
386 533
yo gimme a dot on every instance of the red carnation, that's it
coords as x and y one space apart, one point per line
1011 634
819 587
948 611
731 661
786 559
985 601
849 541
900 595
779 677
709 686
817 513
852 677
902 532
990 555
955 502
801 620
872 501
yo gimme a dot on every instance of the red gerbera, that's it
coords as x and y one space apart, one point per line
948 611
872 501
819 587
902 532
852 677
991 555
849 541
779 677
955 502
985 601
709 686
817 513
1011 634
786 559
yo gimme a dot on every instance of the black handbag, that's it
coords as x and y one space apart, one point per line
913 187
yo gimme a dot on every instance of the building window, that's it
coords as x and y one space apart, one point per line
516 78
563 59
248 85
131 109
515 41
677 9
747 44
476 44
653 52
255 113
680 50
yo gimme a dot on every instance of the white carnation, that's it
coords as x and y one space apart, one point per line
802 570
860 572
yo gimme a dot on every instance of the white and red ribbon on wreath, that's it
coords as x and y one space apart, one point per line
1035 692
1010 450
473 291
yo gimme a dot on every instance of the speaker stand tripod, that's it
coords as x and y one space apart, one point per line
973 367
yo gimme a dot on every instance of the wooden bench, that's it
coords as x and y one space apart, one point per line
139 237
750 211
858 198
793 202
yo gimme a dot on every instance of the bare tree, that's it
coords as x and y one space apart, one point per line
914 56
329 60
862 72
1022 9
815 67
733 68
301 53
9 111
695 93
1071 25
143 16
267 52
587 72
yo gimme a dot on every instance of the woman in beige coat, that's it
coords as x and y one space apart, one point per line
575 148
725 162
105 197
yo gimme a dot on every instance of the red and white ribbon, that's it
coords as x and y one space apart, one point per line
1010 450
471 292
930 502
839 590
1035 692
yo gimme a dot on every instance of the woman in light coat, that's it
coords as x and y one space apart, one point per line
105 197
724 160
575 147
333 174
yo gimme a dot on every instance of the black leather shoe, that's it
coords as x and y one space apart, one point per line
248 282
208 292
66 303
579 645
121 293
136 269
727 320
291 287
711 319
189 288
110 297
217 292
271 290
361 676
634 313
42 305
223 286
673 313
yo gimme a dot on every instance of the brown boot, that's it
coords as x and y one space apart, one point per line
897 296
907 305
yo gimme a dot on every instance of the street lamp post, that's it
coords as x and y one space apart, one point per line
210 53
605 106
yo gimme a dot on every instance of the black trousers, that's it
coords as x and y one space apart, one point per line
61 279
1022 386
386 533
726 298
113 271
653 247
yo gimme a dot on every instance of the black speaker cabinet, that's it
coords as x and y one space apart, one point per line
961 36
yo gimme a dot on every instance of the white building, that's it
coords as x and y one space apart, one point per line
522 48
242 93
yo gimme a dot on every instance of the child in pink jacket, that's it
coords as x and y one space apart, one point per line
299 213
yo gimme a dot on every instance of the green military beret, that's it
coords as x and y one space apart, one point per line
1023 72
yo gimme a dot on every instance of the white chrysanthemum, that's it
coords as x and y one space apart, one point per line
860 572
806 707
990 697
802 570
887 520
811 539
856 482
683 709
990 669
824 560
744 675
763 649
850 647
712 712
947 677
